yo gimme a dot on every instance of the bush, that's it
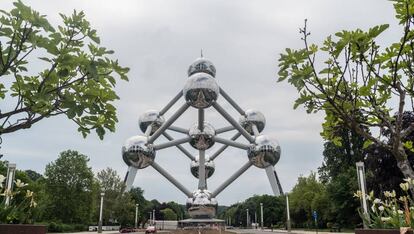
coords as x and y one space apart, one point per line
61 227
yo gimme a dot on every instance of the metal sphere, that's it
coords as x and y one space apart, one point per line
202 65
201 90
252 117
202 140
150 118
264 152
201 205
137 152
210 168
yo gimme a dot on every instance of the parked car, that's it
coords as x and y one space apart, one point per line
127 230
151 229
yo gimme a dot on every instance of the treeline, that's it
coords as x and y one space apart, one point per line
67 197
330 191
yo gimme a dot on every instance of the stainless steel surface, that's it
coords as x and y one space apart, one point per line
178 129
274 183
171 179
202 183
219 151
202 140
202 65
150 118
181 148
231 101
202 204
130 177
137 152
172 143
252 117
232 178
201 90
264 152
171 103
233 122
231 143
210 168
225 129
168 123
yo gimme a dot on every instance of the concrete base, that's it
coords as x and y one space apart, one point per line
195 223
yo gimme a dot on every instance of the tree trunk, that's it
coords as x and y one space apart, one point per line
405 168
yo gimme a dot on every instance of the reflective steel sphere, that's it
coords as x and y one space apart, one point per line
202 140
201 205
137 152
201 90
264 152
210 168
202 65
150 118
252 117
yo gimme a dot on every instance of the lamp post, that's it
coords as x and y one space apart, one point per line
136 215
150 219
287 213
100 214
153 217
261 215
247 218
363 188
11 170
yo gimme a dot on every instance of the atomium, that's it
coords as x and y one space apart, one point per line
264 152
210 167
252 118
201 91
202 140
150 118
202 65
137 153
202 205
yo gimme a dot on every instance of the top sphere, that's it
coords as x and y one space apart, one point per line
201 90
252 117
150 118
202 65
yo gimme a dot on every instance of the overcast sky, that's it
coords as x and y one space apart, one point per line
158 40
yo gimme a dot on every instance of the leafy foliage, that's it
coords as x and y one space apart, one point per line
358 83
76 76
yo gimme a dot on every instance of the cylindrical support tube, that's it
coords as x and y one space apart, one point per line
225 129
231 143
219 151
231 179
168 123
255 130
171 103
178 129
201 119
171 179
172 143
181 148
202 170
232 102
233 122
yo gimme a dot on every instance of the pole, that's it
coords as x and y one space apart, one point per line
153 217
288 213
100 214
247 218
11 170
255 220
261 215
136 215
362 186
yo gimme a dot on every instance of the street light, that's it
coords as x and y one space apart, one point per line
11 171
100 214
136 215
287 213
247 218
153 217
261 215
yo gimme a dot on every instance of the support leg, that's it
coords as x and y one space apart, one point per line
130 177
274 180
171 179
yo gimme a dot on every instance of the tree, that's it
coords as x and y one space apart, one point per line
69 188
358 83
111 184
168 214
76 75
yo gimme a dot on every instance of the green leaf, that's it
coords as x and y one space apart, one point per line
367 143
